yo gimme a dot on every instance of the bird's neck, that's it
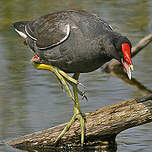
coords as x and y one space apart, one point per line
107 45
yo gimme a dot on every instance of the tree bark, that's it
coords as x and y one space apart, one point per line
102 126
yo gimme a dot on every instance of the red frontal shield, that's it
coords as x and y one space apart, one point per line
126 61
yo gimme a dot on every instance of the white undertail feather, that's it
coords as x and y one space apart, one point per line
21 34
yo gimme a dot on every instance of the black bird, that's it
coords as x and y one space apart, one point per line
74 42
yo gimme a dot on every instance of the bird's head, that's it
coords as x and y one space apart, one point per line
123 48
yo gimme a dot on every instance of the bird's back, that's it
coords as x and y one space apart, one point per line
70 40
81 52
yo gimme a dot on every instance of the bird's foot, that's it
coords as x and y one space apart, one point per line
55 71
69 78
77 116
61 75
73 81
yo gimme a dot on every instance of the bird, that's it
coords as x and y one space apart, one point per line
73 42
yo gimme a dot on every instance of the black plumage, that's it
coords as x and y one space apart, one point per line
74 41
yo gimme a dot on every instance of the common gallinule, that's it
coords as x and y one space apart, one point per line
74 42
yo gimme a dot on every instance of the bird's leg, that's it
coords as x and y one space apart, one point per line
72 81
77 108
55 71
69 78
77 113
63 77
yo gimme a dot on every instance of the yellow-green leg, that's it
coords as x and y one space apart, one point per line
77 113
64 77
77 109
55 71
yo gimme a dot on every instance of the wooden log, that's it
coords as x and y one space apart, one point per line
102 126
141 45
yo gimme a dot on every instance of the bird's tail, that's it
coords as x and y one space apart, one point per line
20 28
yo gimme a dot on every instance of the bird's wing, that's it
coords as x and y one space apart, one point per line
48 31
107 25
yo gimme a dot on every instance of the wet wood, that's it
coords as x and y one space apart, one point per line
102 126
141 44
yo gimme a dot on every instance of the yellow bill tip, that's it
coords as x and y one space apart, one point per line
132 67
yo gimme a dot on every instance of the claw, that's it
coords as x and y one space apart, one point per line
82 94
84 97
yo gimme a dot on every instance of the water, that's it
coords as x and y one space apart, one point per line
32 100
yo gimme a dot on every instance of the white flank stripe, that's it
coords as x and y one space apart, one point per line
67 31
29 34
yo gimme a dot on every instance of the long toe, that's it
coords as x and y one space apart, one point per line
81 118
65 129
